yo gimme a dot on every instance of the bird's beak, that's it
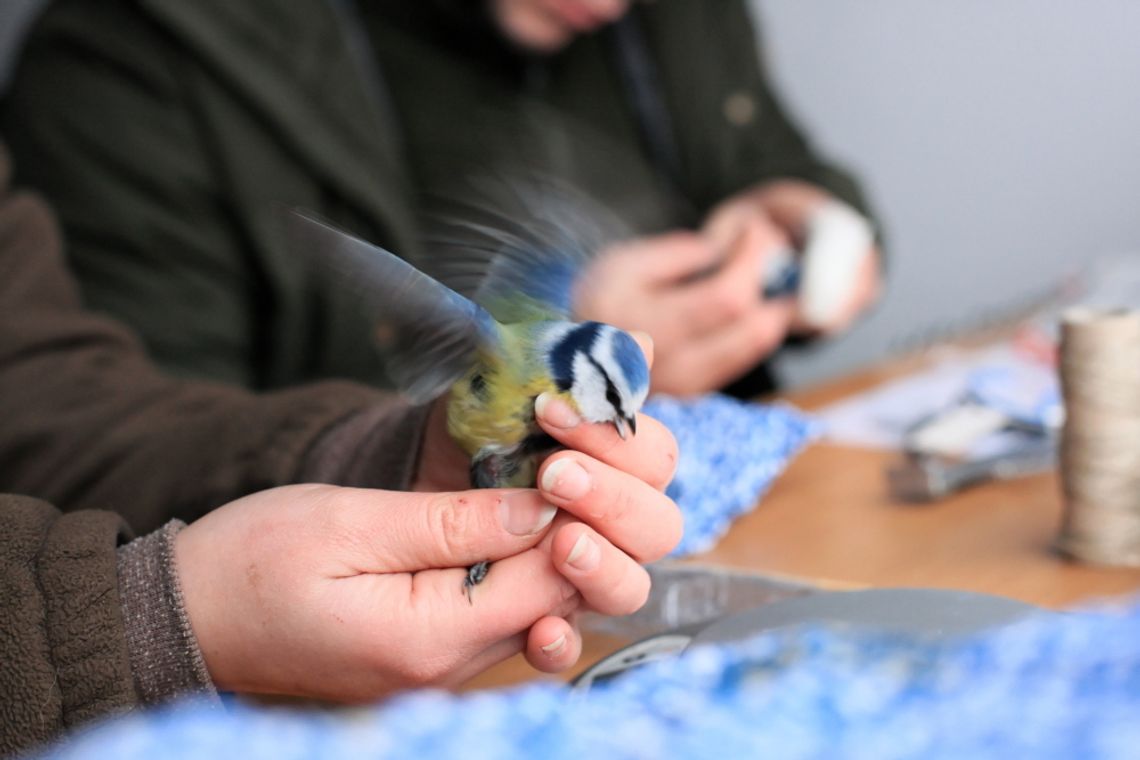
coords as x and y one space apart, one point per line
626 426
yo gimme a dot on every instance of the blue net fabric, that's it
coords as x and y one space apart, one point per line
1051 686
730 452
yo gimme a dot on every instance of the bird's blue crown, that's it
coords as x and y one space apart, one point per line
631 360
583 339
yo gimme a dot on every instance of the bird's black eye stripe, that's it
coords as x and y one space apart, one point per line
612 395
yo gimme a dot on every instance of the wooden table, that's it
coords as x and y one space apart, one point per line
829 518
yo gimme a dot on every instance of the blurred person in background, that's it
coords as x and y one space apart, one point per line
168 133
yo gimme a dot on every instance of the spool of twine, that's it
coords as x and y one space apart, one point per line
1100 443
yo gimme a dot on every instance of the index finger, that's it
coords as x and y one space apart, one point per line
649 455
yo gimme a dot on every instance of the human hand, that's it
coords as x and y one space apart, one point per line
545 27
793 206
349 594
649 457
615 515
698 295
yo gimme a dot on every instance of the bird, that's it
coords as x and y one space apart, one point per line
494 326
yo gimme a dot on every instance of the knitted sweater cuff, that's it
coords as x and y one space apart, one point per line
165 659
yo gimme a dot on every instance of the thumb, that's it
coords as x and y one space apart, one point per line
406 532
645 342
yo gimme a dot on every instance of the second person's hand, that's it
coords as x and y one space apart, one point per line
698 296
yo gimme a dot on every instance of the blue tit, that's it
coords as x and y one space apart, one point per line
499 349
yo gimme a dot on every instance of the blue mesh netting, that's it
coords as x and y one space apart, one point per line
1059 686
731 451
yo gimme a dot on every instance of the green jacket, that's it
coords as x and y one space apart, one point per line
169 133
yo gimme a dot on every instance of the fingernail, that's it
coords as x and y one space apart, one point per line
566 479
641 335
556 412
644 341
554 648
525 513
584 555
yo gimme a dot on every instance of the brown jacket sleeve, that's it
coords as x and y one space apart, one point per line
63 650
89 421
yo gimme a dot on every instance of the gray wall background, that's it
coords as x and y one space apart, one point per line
1000 140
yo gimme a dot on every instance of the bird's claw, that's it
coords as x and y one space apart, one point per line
475 575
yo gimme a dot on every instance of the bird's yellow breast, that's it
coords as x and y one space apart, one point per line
489 409
493 404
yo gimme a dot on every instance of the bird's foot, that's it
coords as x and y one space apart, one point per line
475 575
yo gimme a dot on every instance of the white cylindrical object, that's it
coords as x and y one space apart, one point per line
838 239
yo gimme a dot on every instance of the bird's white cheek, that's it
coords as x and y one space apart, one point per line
589 392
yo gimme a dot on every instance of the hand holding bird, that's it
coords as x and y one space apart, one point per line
511 342
355 593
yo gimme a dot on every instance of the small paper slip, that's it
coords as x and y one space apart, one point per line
977 392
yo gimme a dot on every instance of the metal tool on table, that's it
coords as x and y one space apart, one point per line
691 606
925 477
1004 426
684 598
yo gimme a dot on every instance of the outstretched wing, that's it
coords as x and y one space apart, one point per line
429 334
515 243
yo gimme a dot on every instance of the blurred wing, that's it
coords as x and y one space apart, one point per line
428 334
516 243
